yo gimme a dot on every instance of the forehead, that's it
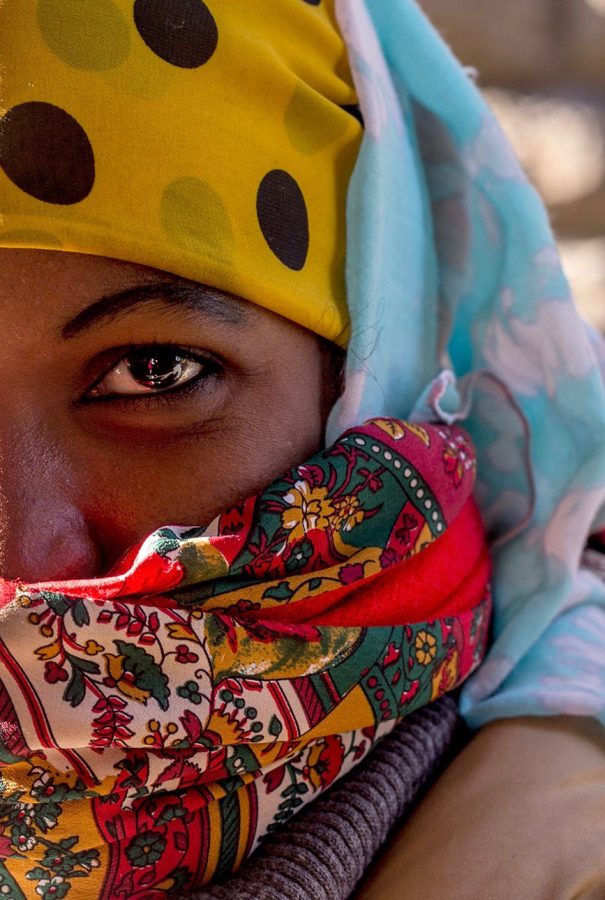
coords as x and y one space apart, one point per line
56 285
70 275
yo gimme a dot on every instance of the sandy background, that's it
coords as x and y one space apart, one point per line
541 64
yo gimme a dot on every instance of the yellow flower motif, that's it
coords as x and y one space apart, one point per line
426 648
347 513
312 761
308 508
123 680
92 648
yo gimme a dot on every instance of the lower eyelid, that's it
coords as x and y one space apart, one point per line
168 397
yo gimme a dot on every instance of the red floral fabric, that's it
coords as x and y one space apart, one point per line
157 722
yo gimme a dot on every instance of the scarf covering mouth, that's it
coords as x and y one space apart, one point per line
212 140
450 265
459 309
159 720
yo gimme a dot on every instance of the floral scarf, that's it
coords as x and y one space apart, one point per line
157 722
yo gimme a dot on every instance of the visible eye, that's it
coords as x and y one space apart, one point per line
152 370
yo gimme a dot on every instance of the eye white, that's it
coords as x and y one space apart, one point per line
131 377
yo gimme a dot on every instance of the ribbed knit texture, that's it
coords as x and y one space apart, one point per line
322 853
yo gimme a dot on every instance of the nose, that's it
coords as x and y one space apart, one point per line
44 536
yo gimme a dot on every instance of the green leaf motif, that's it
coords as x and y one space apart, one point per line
46 815
36 874
7 758
147 674
280 592
163 548
8 886
80 614
56 602
167 541
76 687
275 726
68 843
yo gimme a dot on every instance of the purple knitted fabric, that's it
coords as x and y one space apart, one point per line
322 853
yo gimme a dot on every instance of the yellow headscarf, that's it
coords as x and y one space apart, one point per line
214 140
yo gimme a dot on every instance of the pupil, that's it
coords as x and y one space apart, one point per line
160 368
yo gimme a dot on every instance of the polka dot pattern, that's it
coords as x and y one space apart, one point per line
416 488
86 34
282 216
181 32
46 153
194 217
189 136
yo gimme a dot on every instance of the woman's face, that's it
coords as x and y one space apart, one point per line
129 399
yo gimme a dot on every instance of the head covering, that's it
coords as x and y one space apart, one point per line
212 140
460 310
159 721
450 262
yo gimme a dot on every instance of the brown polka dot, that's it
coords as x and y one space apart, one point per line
282 216
46 153
181 32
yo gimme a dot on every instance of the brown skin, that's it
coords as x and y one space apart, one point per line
84 472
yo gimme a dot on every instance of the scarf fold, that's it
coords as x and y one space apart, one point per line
452 265
327 849
159 721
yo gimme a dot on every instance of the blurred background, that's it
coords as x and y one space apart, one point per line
541 65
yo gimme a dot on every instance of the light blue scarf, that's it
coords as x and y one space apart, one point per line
460 310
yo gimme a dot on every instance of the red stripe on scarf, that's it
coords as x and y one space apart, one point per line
448 577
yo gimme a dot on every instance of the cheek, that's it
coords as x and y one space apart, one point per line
266 428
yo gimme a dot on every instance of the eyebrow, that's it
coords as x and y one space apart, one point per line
196 297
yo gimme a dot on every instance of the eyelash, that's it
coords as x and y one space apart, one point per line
213 370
